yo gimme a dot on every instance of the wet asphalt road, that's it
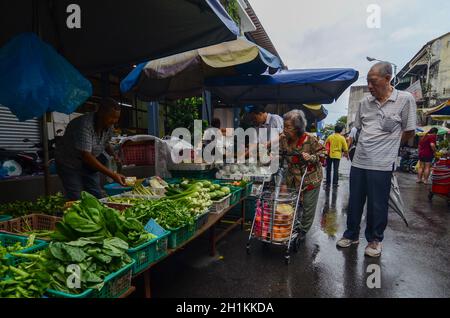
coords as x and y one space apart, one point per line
415 260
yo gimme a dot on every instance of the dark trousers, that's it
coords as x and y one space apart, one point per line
375 186
74 182
335 163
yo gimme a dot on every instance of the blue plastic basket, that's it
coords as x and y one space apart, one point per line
115 188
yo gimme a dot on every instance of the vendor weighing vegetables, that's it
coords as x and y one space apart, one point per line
78 155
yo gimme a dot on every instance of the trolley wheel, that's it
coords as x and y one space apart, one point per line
430 196
287 259
248 249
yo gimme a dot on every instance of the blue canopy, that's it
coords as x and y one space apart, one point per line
35 79
184 74
313 86
104 35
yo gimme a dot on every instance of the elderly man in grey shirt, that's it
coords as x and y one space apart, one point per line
78 153
386 119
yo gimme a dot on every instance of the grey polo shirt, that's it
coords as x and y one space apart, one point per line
382 127
272 121
80 136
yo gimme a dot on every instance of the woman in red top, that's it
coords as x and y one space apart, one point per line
427 148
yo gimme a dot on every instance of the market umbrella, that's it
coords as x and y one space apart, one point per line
395 199
102 35
183 75
425 129
440 110
313 112
308 86
35 79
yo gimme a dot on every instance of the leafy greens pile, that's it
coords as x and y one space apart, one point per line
90 218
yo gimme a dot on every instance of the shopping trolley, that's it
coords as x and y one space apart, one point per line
277 215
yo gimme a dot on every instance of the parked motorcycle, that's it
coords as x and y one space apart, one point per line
17 163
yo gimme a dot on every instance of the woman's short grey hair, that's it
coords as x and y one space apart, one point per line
298 119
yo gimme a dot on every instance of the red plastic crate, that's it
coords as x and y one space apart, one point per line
138 153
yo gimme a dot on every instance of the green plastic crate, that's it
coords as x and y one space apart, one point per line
115 285
201 220
149 252
58 294
180 235
5 217
235 195
10 239
248 190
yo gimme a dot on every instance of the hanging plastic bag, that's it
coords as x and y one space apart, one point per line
35 79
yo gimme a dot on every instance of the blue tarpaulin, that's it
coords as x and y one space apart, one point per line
308 86
35 79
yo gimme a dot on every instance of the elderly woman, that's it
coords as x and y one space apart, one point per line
309 154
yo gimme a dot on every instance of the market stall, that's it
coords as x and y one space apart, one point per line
114 241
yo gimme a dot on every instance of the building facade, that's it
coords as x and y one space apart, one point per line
427 74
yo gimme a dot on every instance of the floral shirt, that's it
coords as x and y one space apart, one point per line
297 164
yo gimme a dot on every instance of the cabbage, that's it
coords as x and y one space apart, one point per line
225 190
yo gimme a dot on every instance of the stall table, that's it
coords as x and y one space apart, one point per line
211 225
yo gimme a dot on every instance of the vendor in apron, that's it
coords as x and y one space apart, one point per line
79 154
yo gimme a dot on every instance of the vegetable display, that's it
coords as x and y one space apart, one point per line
125 200
29 279
89 218
141 190
26 280
169 214
196 196
94 258
51 205
16 247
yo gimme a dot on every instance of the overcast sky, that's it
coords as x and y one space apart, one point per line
332 33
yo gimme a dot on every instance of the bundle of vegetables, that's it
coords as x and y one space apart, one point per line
26 280
29 279
141 190
125 200
89 218
157 183
50 205
96 258
169 214
196 196
16 247
215 191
